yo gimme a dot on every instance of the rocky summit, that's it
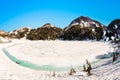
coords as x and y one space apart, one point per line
84 21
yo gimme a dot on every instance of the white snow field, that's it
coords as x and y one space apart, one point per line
38 60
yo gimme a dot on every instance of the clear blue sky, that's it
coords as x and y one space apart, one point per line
34 13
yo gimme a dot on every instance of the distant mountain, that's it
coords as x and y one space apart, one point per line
83 28
46 32
19 33
48 25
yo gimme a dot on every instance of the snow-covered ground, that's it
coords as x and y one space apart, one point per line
57 53
4 40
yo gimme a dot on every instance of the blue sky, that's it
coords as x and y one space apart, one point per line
35 13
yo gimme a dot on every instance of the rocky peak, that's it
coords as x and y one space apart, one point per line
48 25
84 21
84 18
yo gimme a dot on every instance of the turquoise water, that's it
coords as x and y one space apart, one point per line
42 67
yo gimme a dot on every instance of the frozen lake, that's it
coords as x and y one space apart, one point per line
57 55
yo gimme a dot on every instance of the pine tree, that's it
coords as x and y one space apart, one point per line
114 58
89 68
84 68
72 71
53 74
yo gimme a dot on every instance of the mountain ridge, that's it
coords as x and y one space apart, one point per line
81 28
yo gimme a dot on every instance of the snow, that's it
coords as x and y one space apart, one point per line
116 26
3 40
58 53
86 24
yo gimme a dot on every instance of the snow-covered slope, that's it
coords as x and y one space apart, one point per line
4 40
